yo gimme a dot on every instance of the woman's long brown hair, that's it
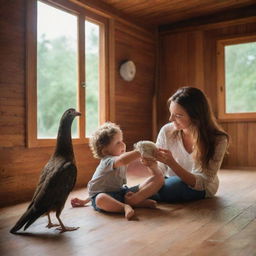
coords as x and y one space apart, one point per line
204 124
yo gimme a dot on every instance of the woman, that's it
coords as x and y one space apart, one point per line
191 149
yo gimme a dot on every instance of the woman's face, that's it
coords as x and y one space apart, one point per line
116 146
179 117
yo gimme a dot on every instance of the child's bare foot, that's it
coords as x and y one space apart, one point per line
148 203
76 202
129 212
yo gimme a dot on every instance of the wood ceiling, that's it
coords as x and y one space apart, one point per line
162 12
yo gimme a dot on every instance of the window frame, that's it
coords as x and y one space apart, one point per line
31 70
221 88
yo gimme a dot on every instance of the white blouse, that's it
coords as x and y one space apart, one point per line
206 178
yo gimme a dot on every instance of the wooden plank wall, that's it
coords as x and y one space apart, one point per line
188 57
133 102
20 166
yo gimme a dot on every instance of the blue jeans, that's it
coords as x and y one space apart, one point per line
175 190
118 195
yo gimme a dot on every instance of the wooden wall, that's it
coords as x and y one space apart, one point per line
131 102
188 58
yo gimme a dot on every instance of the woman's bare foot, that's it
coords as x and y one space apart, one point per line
133 199
76 202
129 212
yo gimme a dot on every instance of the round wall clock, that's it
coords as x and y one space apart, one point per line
128 70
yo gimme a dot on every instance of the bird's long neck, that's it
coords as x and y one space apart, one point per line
64 142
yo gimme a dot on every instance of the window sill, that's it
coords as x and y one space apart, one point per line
237 117
37 143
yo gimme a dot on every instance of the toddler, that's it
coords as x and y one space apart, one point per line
107 189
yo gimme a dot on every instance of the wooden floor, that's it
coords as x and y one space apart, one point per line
225 225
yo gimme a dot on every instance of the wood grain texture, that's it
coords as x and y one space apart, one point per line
133 102
190 58
156 13
224 225
21 167
186 57
12 30
12 98
181 64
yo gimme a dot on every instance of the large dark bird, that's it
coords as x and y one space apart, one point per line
57 179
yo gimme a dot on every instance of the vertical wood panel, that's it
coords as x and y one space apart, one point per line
173 71
181 64
199 60
210 69
112 110
242 144
12 99
251 144
232 157
133 100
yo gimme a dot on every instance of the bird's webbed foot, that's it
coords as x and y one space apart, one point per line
65 229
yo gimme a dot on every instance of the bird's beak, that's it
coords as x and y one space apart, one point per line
77 113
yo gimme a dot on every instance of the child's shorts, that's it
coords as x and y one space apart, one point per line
118 195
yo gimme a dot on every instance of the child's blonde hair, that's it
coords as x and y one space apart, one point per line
102 137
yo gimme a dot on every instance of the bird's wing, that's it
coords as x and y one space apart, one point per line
46 171
56 187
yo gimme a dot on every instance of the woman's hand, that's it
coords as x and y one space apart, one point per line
164 156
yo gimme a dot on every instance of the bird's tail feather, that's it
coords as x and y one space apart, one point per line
31 220
27 218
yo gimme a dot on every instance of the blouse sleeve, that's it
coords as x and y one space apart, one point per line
161 143
161 139
207 175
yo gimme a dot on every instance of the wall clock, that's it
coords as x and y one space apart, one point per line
127 70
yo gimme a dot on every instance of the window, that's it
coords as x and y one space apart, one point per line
65 68
92 47
237 78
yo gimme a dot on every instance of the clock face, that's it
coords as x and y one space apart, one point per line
128 70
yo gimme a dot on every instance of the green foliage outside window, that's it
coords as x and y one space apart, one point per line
92 76
56 84
240 72
57 71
